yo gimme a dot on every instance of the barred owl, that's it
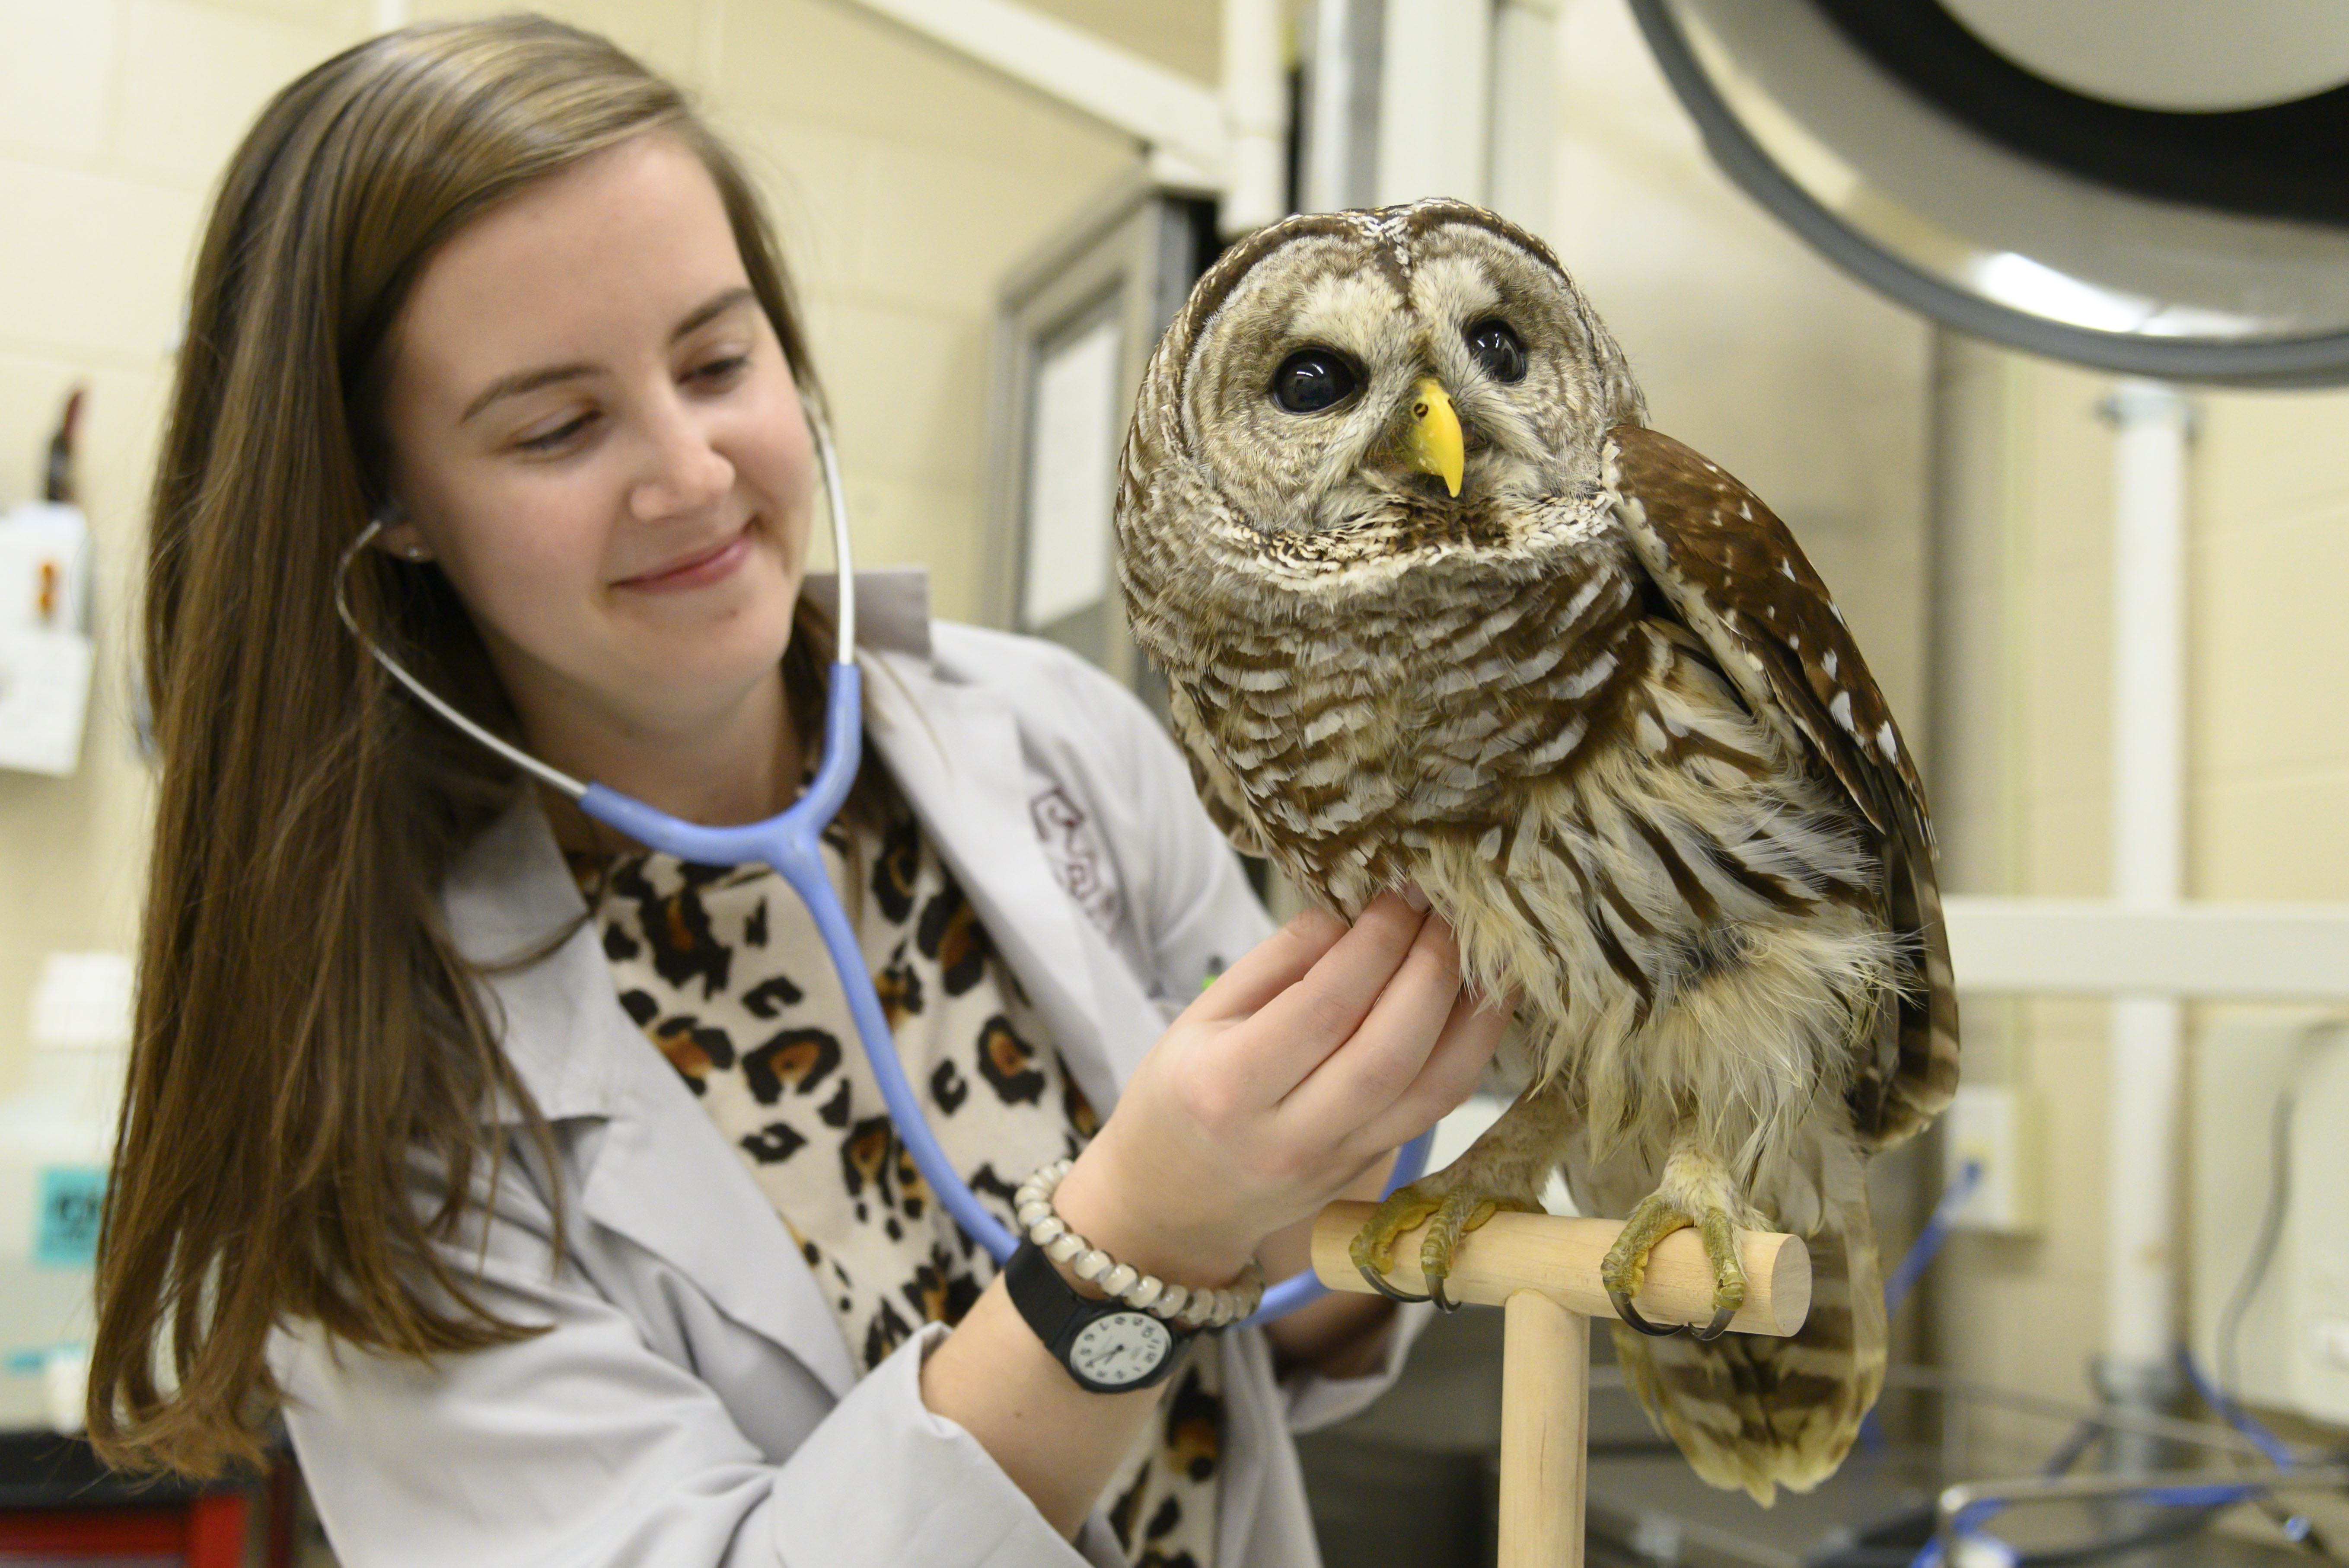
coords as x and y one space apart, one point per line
1436 608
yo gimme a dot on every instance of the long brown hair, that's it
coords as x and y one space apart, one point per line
304 1025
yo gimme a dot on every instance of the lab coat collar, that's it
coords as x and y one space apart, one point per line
893 607
510 898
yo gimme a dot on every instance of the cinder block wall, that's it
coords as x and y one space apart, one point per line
2021 694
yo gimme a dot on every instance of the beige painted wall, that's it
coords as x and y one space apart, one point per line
904 184
2018 777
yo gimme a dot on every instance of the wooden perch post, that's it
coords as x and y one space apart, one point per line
1542 1270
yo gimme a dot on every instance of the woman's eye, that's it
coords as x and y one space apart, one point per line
716 373
1497 348
1312 379
551 439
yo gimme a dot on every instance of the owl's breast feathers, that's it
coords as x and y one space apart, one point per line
1339 734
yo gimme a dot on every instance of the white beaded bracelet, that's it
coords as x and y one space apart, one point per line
1202 1309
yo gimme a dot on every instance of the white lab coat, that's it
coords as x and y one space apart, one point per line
693 1401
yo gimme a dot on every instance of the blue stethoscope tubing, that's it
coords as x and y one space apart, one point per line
791 844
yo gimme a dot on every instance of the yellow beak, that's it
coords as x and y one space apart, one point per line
1433 441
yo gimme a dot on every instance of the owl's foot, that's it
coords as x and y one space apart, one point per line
1625 1266
1459 1207
1505 1168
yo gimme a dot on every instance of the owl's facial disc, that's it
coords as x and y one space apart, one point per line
1300 391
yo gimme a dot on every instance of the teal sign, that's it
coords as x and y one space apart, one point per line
65 1232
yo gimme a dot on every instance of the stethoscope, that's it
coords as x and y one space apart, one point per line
789 842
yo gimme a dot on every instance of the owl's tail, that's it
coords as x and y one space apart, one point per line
1762 1413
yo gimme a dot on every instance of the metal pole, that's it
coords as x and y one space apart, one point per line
1255 117
2148 809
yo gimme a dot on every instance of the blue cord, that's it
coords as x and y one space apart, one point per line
2233 1414
2215 1494
2296 1527
791 844
1968 1522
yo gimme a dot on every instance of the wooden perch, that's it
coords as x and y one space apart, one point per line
1560 1256
1543 1271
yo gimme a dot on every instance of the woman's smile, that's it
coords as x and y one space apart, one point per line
697 569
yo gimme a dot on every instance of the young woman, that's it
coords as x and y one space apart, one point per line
538 1179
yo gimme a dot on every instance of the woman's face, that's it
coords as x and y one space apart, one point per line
594 433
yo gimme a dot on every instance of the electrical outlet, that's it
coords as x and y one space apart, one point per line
1997 1127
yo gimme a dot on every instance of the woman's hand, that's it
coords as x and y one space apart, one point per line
1305 1064
1301 1068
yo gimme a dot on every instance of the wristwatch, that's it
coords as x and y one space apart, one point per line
1106 1346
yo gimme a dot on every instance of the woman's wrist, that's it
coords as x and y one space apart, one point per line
1115 1215
1082 1264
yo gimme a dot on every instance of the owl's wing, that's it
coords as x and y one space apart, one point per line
1734 572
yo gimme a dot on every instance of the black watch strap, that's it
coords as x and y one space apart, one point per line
1107 1346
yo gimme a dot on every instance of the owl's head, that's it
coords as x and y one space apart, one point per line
1348 387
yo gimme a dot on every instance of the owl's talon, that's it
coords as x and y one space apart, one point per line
1656 1218
1372 1248
1449 1206
1384 1289
1630 1315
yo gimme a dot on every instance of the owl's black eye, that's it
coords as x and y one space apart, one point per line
1312 379
1497 348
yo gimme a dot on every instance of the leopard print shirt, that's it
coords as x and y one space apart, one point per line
723 970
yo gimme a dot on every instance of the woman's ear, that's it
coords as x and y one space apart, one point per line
397 536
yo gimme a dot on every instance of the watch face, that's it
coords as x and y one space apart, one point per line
1122 1348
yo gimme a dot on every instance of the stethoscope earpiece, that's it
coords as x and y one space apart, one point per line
386 515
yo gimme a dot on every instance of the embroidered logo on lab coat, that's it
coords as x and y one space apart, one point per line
1070 844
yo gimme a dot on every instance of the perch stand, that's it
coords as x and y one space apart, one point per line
1542 1270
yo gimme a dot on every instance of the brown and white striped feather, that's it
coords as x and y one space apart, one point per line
1734 571
1756 1413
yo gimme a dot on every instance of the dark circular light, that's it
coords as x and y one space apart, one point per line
1497 348
1312 379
